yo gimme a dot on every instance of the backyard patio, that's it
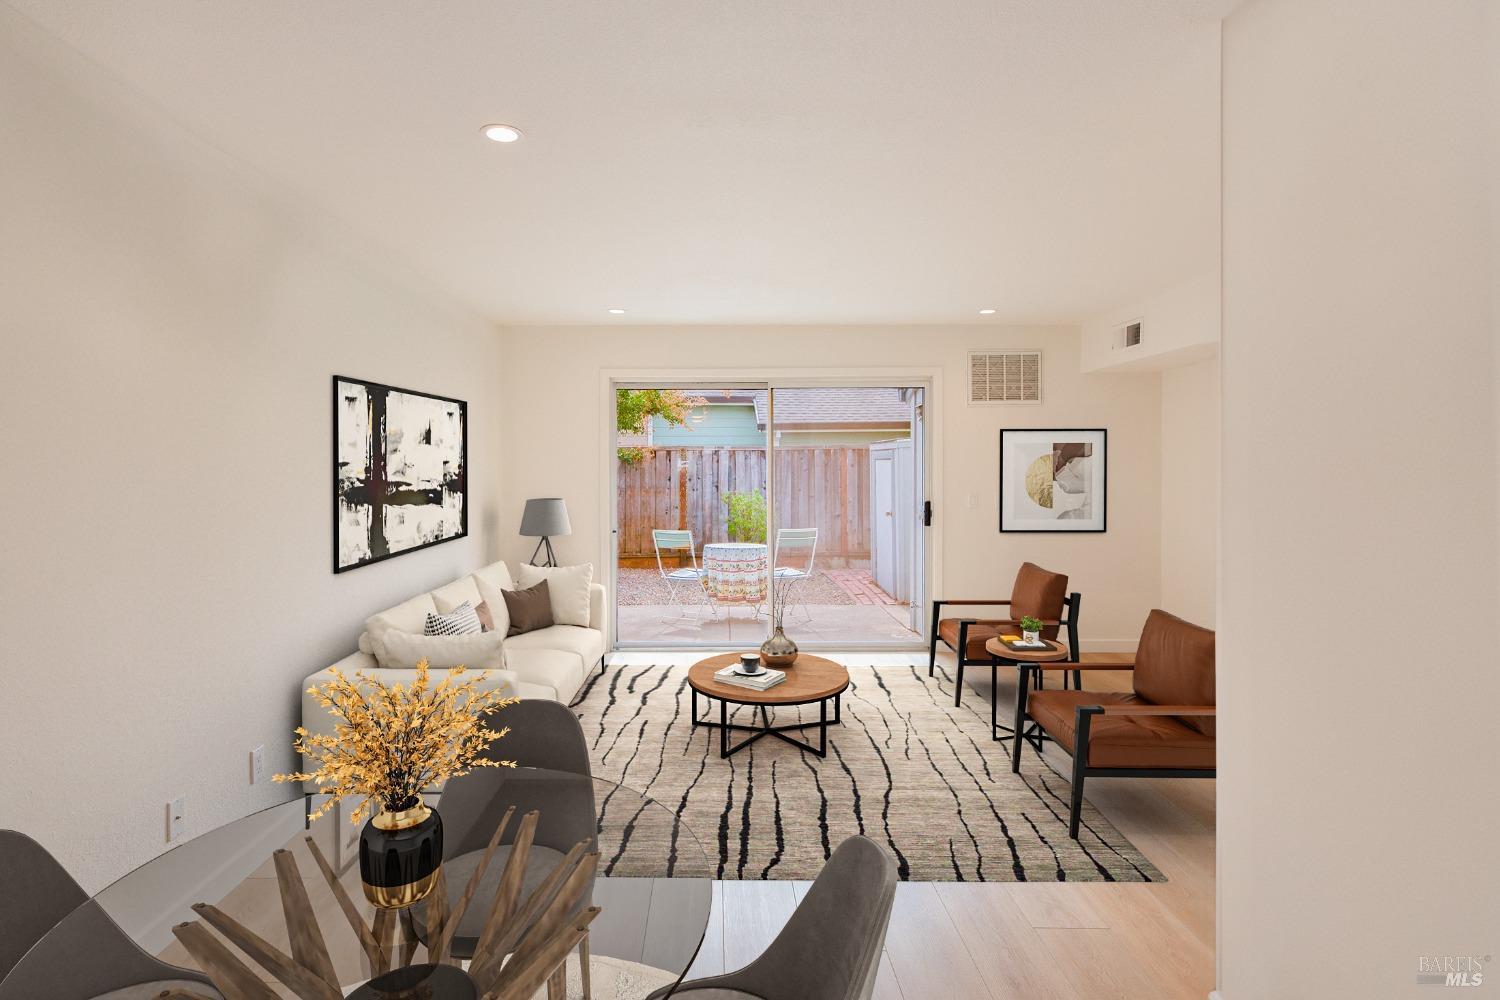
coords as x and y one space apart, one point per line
831 605
697 531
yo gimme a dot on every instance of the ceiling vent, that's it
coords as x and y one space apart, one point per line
1009 376
1128 335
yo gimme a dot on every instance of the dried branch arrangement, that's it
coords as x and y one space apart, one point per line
524 944
392 741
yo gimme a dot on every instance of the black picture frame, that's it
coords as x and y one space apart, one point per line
1103 474
338 488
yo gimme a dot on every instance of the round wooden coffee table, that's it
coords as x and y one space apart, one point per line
810 679
1026 659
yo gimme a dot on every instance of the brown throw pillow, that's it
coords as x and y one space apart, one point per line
486 620
530 609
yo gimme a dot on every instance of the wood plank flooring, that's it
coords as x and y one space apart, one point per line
1034 941
952 940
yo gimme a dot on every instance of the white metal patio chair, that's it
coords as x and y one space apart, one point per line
673 542
792 543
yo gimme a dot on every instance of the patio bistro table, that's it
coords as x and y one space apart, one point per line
735 572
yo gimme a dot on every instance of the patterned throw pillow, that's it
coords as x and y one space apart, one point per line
460 621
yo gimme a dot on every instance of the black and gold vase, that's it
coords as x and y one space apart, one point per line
399 856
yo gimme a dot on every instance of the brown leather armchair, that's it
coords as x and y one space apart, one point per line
1037 592
1164 728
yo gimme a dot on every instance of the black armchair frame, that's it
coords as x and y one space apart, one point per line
1085 715
1068 621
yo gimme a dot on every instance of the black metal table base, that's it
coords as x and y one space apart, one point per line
1034 734
724 726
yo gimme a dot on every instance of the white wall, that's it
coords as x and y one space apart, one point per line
170 326
553 421
1190 491
1179 326
1358 816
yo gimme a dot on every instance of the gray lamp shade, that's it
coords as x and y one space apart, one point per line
545 516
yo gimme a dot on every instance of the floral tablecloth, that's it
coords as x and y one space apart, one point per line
735 572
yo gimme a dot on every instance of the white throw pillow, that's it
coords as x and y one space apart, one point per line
568 587
449 597
403 650
408 616
497 575
494 599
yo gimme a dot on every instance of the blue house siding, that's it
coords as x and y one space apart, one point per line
722 425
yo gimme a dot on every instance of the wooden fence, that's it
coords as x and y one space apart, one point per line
823 488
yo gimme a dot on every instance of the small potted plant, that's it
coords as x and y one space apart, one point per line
391 743
1031 630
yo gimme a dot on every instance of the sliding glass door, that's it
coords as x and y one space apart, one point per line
690 515
740 504
846 547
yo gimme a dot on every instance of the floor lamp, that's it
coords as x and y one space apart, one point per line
543 518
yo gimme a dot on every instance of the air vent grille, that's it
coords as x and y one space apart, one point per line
1009 376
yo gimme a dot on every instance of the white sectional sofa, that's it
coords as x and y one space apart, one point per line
550 663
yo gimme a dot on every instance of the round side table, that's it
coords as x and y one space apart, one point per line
735 572
1027 661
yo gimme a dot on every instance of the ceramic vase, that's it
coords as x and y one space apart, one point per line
399 856
778 651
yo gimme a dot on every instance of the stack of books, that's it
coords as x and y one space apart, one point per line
762 681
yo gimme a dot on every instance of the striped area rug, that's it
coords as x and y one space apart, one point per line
906 768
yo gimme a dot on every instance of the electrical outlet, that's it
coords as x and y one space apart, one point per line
257 765
176 818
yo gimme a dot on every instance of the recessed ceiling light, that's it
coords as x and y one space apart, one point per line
617 312
501 133
986 312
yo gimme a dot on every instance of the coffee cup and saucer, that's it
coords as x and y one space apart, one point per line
749 665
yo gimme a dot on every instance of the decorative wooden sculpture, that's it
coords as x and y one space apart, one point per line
537 934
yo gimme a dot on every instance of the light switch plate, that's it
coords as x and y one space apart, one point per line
176 818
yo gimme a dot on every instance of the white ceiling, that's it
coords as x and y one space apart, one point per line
714 161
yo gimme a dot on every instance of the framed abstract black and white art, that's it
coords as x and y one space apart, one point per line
400 464
1053 480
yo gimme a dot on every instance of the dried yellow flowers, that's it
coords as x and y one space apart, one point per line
392 741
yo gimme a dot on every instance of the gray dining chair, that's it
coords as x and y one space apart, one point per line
552 776
57 943
830 948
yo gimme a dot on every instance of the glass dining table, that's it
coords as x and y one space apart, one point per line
644 936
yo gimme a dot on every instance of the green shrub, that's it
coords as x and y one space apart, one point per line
1030 624
747 516
634 409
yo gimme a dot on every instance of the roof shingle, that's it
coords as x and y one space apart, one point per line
835 405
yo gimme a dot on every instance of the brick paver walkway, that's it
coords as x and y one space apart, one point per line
860 585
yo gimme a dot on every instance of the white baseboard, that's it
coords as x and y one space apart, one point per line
1215 995
666 655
